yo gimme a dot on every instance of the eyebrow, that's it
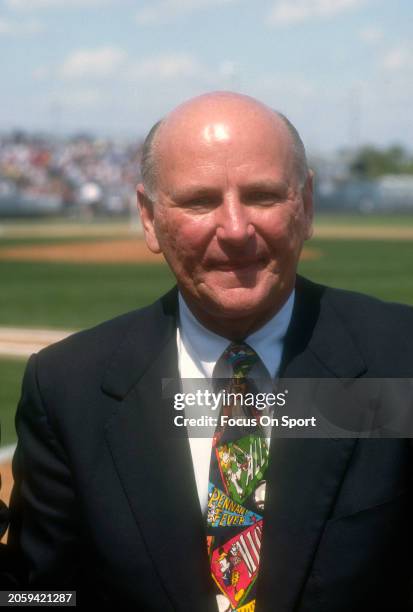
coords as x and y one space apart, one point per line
188 193
203 191
265 185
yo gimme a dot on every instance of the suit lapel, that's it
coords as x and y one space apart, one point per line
317 344
304 475
155 464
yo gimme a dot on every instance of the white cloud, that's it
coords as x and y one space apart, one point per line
6 27
96 63
164 10
398 58
78 99
282 87
85 98
285 13
34 5
371 34
111 62
41 73
168 66
9 27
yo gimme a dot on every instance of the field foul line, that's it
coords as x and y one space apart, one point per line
22 342
70 230
349 232
6 453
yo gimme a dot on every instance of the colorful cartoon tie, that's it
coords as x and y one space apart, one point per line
236 494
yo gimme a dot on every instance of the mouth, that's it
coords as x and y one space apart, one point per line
238 265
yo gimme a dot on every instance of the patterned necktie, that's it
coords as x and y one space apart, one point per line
236 494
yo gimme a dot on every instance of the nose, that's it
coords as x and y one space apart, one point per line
233 224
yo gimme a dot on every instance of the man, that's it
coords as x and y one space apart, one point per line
108 500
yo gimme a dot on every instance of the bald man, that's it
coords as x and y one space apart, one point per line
110 501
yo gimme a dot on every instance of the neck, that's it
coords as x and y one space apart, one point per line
235 328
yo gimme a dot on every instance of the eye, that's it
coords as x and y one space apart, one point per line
263 198
200 203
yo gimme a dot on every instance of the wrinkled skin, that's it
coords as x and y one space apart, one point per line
230 216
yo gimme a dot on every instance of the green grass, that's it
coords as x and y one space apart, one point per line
28 241
364 220
57 220
11 372
379 268
76 296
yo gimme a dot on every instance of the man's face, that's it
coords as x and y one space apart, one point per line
230 217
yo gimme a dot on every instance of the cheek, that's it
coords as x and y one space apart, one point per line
182 239
292 223
283 230
280 225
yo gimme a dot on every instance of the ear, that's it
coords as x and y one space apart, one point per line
308 205
146 211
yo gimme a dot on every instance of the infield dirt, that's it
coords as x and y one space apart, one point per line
6 486
129 250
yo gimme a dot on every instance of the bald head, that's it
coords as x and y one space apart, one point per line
215 115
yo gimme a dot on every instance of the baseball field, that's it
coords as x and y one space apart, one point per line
66 276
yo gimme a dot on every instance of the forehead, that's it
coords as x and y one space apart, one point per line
218 146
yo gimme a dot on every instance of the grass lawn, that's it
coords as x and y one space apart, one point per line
7 242
364 220
76 296
380 268
11 372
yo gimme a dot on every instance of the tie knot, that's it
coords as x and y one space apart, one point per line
241 357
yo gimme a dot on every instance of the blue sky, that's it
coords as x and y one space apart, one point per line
342 70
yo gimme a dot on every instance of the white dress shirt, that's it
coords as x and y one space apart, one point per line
199 350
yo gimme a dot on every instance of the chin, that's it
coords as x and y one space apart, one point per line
239 302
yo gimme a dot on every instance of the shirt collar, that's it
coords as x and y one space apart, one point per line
206 347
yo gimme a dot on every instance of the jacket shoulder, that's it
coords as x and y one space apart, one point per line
92 349
368 311
382 331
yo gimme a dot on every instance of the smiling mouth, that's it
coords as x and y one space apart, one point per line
236 265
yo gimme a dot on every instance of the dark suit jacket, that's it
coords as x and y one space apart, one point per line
105 498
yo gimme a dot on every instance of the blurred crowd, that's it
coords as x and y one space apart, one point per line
85 177
81 174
